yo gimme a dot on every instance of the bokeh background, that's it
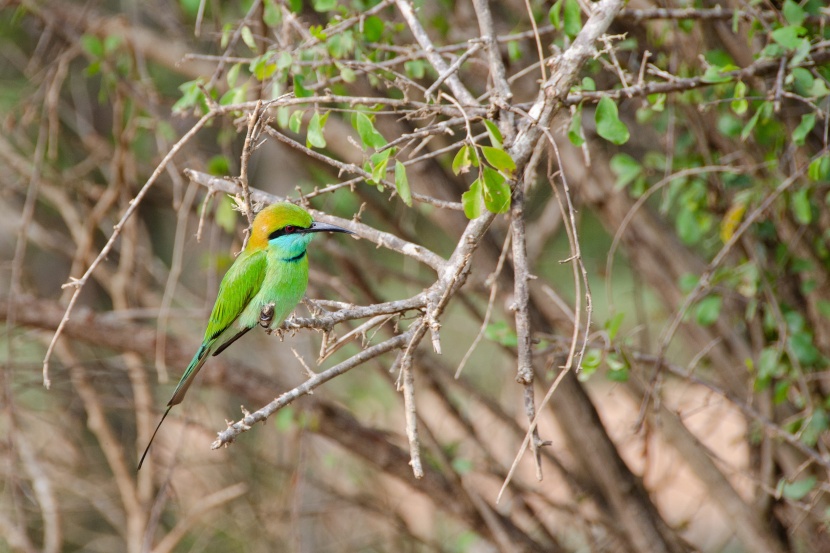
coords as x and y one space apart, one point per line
689 174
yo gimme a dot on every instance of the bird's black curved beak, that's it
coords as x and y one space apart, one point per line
325 227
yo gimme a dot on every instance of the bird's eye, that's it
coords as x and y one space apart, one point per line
287 229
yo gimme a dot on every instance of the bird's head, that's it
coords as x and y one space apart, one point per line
286 227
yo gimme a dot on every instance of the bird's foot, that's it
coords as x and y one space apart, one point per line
266 315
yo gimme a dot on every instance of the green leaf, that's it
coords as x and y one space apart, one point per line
588 84
234 95
416 69
799 489
818 89
402 184
715 74
227 31
191 95
496 191
340 45
708 310
499 159
769 364
461 162
802 79
347 74
233 74
300 91
819 168
608 122
284 419
317 32
781 391
372 28
657 102
692 225
314 137
613 324
739 105
93 69
618 368
817 425
495 134
590 363
687 282
461 465
111 43
295 122
379 162
801 344
248 37
226 215
271 15
793 13
261 67
801 53
514 51
789 37
575 128
572 17
370 137
554 15
219 166
808 121
471 200
284 61
324 5
626 168
501 333
92 45
747 130
800 202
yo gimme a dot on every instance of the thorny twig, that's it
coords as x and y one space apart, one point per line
228 435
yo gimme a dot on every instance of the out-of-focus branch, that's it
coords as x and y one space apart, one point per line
78 283
335 423
114 454
72 22
226 495
44 492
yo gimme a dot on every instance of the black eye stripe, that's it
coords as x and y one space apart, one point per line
287 229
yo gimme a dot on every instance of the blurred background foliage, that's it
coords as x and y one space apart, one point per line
694 147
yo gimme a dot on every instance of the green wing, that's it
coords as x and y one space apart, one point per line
240 284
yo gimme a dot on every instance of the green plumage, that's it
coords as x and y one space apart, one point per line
273 269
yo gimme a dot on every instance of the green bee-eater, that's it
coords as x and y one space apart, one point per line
268 278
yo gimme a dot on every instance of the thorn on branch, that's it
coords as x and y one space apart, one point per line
73 283
308 371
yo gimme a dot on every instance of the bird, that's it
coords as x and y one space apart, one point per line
262 287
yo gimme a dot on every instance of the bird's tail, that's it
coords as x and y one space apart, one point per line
153 437
181 389
191 372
